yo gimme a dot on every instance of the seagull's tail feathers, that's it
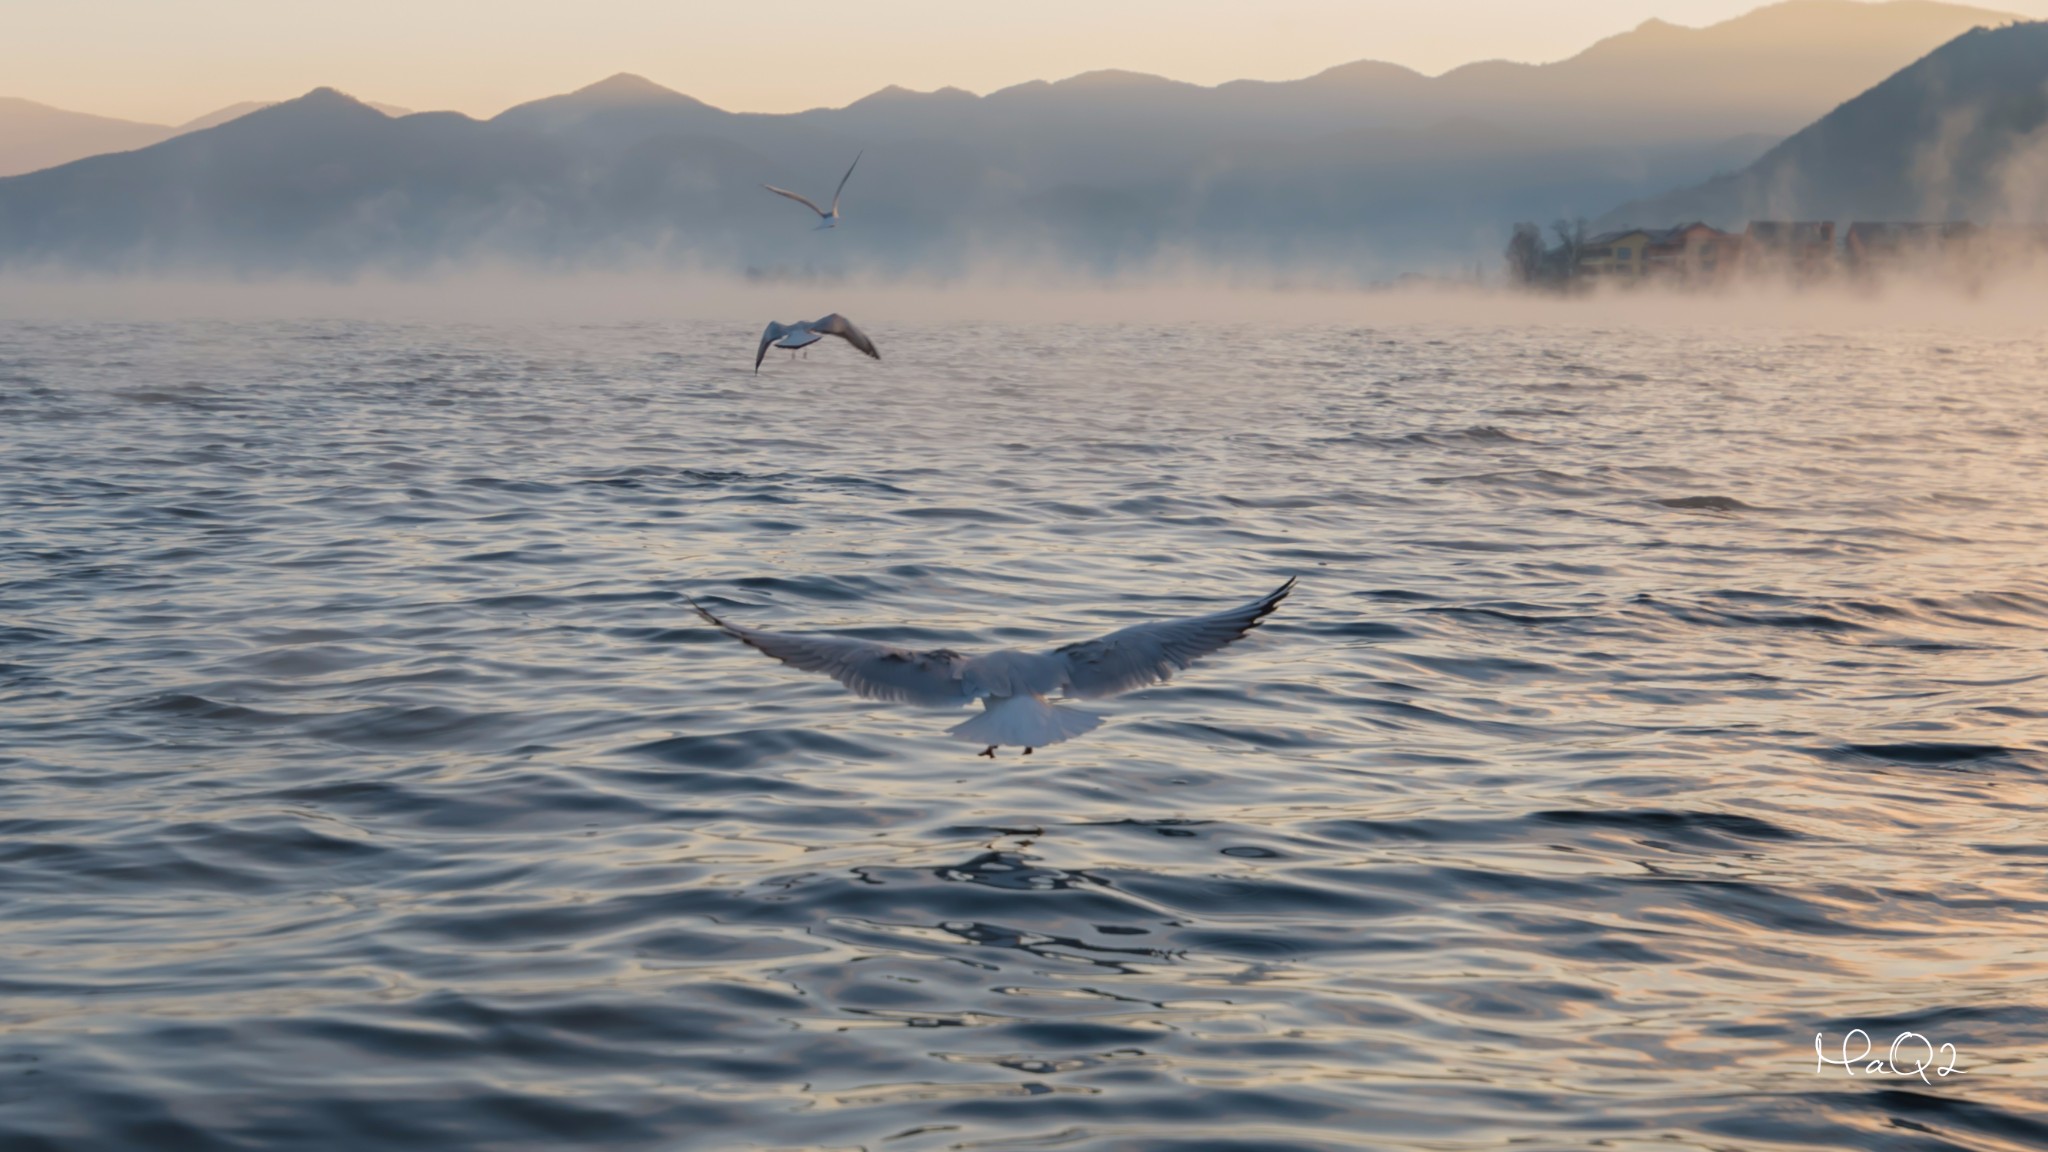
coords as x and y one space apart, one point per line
1024 721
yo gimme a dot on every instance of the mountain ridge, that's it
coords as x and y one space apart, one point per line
1961 134
36 136
1702 97
1108 170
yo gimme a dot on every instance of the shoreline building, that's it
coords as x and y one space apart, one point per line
1695 253
1615 255
1802 249
1873 246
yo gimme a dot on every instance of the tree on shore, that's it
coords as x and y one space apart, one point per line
1530 263
1571 243
1525 254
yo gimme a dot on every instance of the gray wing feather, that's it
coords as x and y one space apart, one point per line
876 671
1151 653
837 325
769 335
803 200
844 179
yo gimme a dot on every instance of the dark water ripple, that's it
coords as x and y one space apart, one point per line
1651 702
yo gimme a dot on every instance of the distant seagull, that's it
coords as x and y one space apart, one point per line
825 219
805 333
1012 685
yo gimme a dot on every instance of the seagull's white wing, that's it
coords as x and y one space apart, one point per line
837 325
769 335
1149 653
877 671
844 179
803 200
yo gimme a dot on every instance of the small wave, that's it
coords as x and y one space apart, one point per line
1547 481
1996 608
1708 828
201 708
1930 752
960 513
1476 434
548 555
1011 870
424 726
295 662
1728 618
1532 619
1368 629
1707 504
834 589
737 750
522 487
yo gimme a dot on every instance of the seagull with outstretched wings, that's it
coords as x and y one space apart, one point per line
1014 687
825 219
805 333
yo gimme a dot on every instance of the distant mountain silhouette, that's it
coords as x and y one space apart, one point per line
1959 135
34 136
1772 70
619 106
1769 71
1362 169
221 116
237 111
321 182
327 184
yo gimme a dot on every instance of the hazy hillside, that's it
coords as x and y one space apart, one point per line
321 181
1362 170
36 136
1767 72
326 184
221 116
1772 70
1960 135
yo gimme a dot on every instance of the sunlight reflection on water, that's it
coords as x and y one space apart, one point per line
1651 701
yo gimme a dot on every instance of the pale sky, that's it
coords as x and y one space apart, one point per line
171 60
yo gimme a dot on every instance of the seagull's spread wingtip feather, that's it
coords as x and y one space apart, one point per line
1268 604
843 179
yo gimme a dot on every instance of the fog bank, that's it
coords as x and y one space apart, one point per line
997 297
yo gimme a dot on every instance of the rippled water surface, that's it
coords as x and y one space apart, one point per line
1651 701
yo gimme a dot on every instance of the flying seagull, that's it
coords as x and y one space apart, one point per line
825 219
805 333
1013 686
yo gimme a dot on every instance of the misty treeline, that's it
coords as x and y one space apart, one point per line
1531 263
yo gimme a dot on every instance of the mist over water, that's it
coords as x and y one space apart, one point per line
1663 687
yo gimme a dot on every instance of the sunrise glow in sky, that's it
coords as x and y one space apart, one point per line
164 62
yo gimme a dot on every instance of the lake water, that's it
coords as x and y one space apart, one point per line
1652 700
